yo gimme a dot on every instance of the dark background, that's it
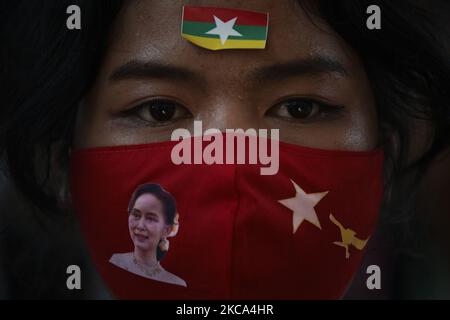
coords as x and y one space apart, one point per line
35 248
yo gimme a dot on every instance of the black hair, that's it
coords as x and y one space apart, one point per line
407 64
47 69
167 200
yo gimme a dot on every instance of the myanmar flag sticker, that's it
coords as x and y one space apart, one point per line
221 28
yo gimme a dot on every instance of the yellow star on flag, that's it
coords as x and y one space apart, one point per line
302 206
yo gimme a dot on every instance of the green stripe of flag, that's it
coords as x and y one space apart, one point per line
200 29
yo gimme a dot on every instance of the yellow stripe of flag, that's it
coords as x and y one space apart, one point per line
216 44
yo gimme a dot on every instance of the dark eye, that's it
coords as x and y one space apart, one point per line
300 109
159 112
135 215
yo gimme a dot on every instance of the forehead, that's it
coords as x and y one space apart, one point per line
151 30
148 203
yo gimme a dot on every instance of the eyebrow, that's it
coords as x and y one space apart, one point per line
146 213
316 65
136 69
310 66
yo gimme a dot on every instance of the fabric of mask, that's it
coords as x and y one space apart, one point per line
298 234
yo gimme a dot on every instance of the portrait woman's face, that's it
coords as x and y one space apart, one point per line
308 82
146 222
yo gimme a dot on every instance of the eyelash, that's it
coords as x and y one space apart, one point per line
134 113
323 111
138 216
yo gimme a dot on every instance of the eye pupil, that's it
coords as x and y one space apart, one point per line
299 109
162 111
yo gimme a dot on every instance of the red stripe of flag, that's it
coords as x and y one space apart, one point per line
205 14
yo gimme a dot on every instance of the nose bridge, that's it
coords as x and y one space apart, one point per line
230 101
140 224
230 110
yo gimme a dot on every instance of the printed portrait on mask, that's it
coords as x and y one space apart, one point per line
152 218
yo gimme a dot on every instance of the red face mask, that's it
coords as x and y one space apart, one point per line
298 234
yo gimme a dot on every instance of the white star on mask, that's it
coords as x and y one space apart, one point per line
224 29
302 206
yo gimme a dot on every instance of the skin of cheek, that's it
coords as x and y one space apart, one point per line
225 104
132 226
362 132
152 230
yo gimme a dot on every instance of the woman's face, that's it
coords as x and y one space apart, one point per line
308 82
146 222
